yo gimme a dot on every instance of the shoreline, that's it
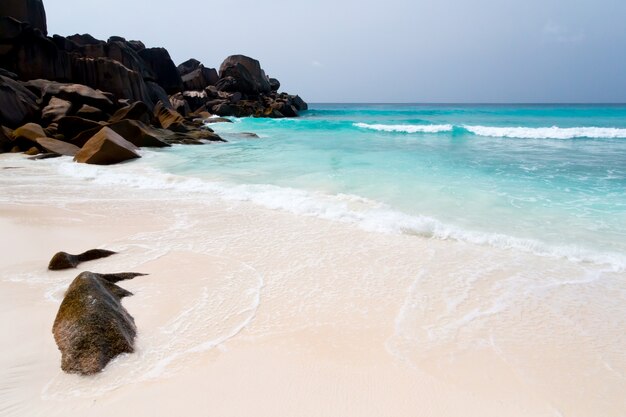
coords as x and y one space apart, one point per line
289 314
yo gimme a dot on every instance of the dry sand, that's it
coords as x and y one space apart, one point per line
251 311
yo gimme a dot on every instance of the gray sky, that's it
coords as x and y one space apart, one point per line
387 51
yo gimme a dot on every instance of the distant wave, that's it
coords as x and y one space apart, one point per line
547 132
553 132
406 128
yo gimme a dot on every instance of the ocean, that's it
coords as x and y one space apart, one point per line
340 262
550 179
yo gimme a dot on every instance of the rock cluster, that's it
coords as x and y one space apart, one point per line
74 87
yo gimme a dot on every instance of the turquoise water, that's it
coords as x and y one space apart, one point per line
548 179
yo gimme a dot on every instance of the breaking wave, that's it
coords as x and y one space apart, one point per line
553 132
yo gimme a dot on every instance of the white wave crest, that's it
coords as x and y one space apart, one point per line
553 132
366 214
406 128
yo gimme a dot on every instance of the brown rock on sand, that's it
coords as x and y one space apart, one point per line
105 148
57 146
92 327
64 260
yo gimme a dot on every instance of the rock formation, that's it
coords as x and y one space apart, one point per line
105 148
72 86
29 11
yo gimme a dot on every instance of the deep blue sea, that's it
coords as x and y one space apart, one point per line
550 179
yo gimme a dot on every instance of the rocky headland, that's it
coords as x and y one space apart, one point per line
100 101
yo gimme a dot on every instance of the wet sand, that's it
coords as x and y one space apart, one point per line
251 311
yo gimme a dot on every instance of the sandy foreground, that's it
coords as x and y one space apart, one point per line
259 312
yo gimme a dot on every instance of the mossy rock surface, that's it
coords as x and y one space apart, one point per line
92 327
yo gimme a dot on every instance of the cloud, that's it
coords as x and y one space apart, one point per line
316 63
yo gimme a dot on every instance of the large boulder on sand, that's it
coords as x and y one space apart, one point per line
57 146
17 103
247 74
105 148
92 327
29 11
138 134
29 132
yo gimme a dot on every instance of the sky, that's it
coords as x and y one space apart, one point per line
392 51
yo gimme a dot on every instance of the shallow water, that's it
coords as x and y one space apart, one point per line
243 267
548 179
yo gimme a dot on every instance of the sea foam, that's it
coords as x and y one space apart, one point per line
366 214
553 132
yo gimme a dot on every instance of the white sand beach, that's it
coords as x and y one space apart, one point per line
252 311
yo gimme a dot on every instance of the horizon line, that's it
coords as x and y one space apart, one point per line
468 103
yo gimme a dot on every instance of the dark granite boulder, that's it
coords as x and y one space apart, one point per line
249 78
188 66
29 11
91 113
170 119
195 99
117 49
8 74
33 151
179 104
6 139
138 134
92 327
274 84
298 103
223 109
55 110
112 76
77 94
227 84
136 45
31 55
64 260
84 39
156 93
285 108
105 148
29 132
57 146
71 126
158 60
200 78
17 103
136 111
